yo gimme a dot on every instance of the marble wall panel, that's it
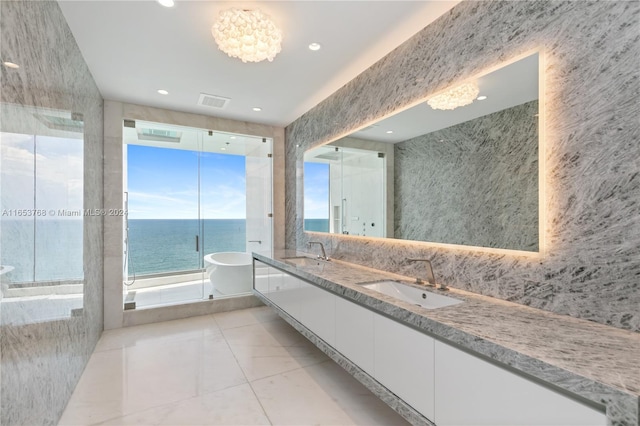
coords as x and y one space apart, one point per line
590 263
475 183
42 360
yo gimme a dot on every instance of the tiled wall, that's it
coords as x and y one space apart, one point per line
42 359
475 183
591 265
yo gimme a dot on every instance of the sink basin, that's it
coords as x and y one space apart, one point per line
416 296
304 261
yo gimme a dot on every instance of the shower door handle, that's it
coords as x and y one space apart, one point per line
197 243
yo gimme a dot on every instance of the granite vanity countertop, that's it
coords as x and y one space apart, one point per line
593 361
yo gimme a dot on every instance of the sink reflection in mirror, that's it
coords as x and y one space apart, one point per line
410 294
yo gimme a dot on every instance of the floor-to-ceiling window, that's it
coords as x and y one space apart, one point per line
197 203
42 216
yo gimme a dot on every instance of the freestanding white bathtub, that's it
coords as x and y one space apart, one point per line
229 272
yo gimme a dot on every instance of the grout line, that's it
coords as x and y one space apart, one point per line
246 378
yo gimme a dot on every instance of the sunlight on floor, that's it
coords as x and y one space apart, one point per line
245 367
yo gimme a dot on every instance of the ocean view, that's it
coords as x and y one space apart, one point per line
42 249
155 246
316 225
169 245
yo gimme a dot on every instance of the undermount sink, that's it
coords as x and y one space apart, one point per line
416 296
304 261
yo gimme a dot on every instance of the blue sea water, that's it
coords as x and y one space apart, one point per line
316 225
42 249
52 250
169 245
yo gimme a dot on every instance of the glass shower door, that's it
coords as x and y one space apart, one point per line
163 258
235 177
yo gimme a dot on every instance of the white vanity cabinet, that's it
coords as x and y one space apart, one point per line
471 391
309 305
404 363
283 289
317 311
354 333
448 386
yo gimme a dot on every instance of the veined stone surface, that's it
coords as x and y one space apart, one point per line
590 266
42 360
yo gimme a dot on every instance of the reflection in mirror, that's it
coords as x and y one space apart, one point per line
41 247
345 187
465 175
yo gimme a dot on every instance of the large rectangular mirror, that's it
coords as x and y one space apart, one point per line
460 168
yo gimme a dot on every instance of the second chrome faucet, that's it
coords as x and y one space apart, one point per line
324 254
431 279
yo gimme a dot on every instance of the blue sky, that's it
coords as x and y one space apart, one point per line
163 184
316 191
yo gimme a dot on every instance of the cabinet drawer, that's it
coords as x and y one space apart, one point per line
471 391
354 333
403 360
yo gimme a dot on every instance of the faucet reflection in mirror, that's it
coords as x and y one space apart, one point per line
468 176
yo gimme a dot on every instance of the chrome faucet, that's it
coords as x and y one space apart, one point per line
431 279
324 254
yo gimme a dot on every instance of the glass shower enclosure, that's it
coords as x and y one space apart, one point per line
197 203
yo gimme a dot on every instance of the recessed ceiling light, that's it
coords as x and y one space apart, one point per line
314 46
166 3
481 98
163 92
389 131
232 137
257 109
11 65
223 149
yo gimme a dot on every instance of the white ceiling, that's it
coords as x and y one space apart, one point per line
509 85
134 48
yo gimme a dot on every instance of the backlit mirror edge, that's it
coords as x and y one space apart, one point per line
542 178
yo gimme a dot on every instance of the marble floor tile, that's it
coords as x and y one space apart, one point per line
123 381
232 406
239 318
243 368
181 329
362 406
303 396
260 353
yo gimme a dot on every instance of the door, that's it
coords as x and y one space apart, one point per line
162 232
259 174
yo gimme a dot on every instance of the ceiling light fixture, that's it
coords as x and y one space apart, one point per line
166 3
249 35
453 98
163 92
257 109
481 98
11 65
389 132
314 46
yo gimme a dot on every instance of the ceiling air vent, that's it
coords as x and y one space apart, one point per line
213 101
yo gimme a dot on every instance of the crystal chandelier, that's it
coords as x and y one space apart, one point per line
249 35
455 97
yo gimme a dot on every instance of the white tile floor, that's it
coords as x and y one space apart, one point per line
245 367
